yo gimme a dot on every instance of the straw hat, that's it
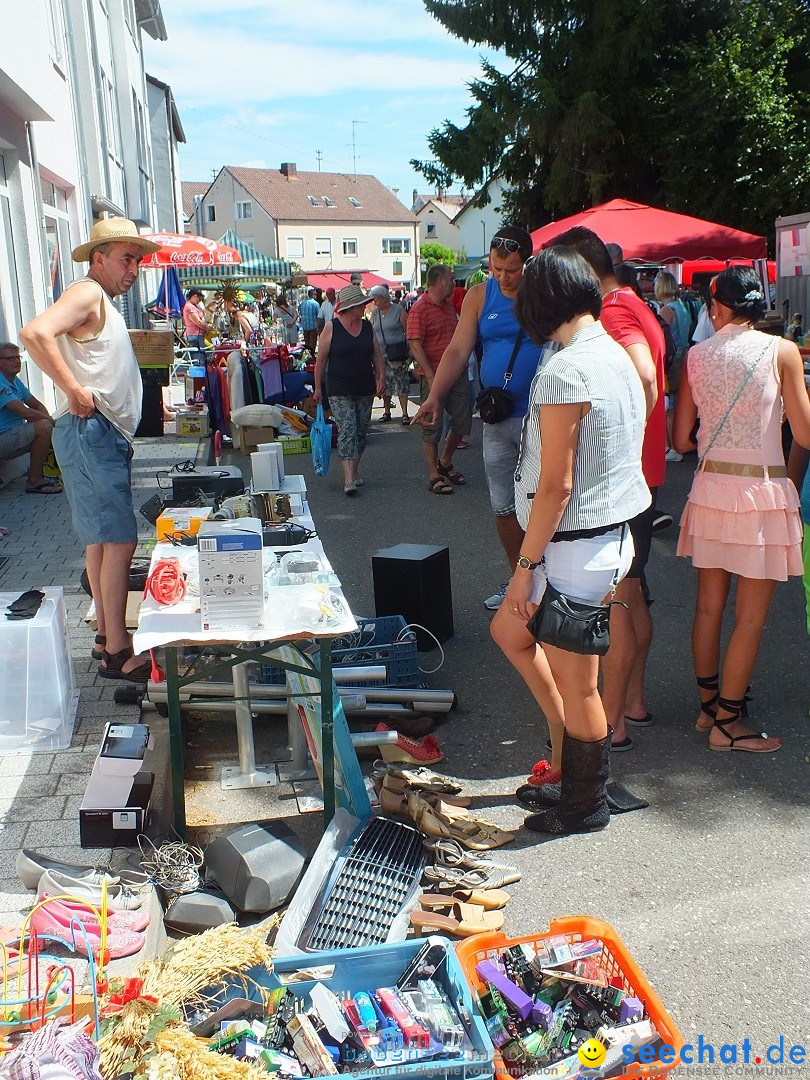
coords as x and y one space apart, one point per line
113 230
350 297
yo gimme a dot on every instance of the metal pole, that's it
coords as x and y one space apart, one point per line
327 731
175 743
245 775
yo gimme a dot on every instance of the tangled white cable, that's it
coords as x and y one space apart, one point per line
174 866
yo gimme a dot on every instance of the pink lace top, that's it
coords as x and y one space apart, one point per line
751 434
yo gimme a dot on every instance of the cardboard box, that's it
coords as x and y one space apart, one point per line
181 519
250 437
153 348
192 425
231 574
134 600
115 807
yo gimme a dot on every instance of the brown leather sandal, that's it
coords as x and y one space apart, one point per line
114 667
98 654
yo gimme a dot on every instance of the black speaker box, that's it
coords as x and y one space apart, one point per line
212 480
257 866
414 580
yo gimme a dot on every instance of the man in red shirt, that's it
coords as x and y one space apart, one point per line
431 325
632 324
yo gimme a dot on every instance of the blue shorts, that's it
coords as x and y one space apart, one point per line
501 453
96 464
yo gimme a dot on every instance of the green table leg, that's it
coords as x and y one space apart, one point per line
327 731
176 743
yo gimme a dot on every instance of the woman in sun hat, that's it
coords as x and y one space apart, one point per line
350 355
742 515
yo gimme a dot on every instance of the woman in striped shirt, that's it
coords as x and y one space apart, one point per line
587 410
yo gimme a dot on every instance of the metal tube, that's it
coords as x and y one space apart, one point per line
429 700
244 721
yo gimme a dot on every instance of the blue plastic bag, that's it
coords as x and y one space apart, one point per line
320 441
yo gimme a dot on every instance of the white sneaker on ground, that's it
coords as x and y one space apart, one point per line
673 455
492 603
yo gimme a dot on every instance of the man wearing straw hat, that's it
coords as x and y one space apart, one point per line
83 345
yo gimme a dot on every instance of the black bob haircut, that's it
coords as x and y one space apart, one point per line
557 285
590 247
739 288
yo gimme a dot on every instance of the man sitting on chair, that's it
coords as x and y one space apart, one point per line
25 423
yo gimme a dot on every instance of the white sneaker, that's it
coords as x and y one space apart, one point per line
673 455
492 603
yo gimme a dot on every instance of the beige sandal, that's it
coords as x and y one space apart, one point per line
399 786
465 920
472 833
488 899
392 802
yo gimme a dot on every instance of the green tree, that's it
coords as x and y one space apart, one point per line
697 107
432 252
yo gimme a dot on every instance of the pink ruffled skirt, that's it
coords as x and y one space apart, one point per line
747 526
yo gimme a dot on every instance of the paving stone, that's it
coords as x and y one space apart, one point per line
45 808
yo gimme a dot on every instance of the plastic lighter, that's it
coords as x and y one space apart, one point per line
365 1009
516 999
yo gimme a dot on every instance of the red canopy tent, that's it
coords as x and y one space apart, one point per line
338 281
714 266
644 232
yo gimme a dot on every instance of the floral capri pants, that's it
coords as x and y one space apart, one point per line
352 416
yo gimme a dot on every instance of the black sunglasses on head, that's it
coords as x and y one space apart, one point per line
504 242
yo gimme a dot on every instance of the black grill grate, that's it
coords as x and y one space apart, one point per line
371 882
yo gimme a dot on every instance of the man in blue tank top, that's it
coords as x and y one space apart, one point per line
487 315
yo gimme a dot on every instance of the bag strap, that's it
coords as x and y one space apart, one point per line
732 403
382 331
507 375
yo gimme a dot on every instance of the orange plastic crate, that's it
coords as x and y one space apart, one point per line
615 959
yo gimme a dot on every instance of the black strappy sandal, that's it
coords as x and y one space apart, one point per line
115 664
734 706
709 707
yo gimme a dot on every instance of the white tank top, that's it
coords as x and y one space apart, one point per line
105 364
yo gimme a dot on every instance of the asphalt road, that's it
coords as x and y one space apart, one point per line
708 887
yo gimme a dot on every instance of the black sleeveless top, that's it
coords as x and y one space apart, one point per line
350 371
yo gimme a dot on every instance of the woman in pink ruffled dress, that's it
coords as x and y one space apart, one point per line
742 516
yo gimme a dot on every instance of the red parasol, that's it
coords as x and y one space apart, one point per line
185 249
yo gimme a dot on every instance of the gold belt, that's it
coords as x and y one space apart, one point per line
734 468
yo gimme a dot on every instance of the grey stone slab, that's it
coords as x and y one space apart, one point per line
45 835
71 783
12 833
16 765
46 808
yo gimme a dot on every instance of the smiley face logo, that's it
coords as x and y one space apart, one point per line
592 1053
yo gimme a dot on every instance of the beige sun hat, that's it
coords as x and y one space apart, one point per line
351 296
112 230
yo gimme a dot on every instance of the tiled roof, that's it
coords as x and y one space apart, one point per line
447 206
286 199
189 189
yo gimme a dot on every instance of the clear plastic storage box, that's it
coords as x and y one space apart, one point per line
38 697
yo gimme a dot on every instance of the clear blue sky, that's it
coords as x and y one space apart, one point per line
261 83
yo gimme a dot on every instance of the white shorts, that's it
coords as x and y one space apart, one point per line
584 570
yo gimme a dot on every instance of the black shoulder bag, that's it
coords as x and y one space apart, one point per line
572 626
493 402
397 353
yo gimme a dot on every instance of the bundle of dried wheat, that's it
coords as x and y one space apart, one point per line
130 1032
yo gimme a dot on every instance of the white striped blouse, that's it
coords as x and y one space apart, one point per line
609 485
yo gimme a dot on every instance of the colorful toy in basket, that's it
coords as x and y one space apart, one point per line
568 1003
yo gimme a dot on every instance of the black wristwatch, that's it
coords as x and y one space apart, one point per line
524 563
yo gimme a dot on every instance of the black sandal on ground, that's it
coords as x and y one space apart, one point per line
734 706
385 418
98 654
709 707
115 663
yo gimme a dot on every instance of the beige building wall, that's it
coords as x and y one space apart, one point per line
443 231
352 245
222 199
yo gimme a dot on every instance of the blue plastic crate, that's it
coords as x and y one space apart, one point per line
374 643
381 965
378 641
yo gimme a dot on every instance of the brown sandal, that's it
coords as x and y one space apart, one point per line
451 473
114 667
98 654
439 486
